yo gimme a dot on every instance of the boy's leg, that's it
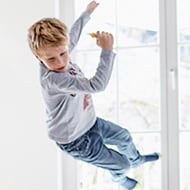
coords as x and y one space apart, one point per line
117 164
116 135
90 148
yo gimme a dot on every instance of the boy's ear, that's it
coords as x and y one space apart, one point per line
37 57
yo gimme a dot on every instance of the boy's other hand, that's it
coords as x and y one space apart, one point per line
104 40
91 6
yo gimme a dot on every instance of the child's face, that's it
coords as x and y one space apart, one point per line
55 58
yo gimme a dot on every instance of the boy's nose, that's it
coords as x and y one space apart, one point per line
60 62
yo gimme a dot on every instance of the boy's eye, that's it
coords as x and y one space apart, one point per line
62 54
51 59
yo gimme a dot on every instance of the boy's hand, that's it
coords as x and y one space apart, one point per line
104 40
91 6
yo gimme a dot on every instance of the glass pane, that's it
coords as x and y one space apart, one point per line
184 87
184 160
100 21
134 24
139 88
93 178
183 20
145 174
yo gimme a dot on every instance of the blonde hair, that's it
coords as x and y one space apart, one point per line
47 32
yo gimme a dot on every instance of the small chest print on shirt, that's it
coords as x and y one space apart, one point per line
72 71
86 101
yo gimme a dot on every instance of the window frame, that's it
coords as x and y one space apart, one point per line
169 96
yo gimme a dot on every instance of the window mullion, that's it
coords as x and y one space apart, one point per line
164 97
169 73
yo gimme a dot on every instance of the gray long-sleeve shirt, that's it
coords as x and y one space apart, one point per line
69 106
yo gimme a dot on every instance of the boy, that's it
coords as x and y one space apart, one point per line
72 122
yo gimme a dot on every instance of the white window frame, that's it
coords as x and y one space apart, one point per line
67 167
169 95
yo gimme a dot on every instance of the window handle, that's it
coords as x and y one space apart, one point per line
173 78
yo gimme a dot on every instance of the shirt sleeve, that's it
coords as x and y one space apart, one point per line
76 30
67 83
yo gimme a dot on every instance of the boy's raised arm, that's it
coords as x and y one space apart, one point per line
91 6
78 25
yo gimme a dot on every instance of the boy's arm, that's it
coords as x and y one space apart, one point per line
77 27
65 82
76 30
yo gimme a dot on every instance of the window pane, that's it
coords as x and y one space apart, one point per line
184 160
184 87
183 20
93 178
134 24
145 174
100 21
139 88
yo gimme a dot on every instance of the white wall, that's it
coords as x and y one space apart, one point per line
28 159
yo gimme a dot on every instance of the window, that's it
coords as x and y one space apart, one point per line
132 97
149 89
